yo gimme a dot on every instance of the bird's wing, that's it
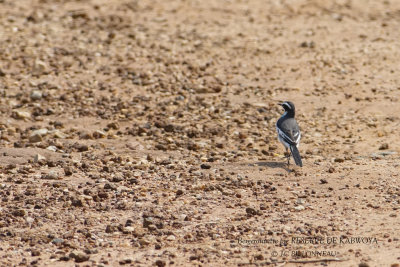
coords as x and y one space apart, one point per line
290 132
286 136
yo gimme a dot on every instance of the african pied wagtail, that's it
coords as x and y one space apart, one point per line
289 133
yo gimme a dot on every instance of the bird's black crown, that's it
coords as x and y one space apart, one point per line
288 106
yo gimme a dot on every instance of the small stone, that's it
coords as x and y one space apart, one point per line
272 147
251 211
35 138
111 229
102 195
363 264
323 181
299 208
21 115
125 261
59 134
68 170
35 252
306 44
395 265
147 222
171 238
64 258
387 153
52 148
79 256
160 263
52 175
205 166
300 201
39 158
113 125
128 230
179 192
77 203
36 95
99 134
169 128
29 220
340 160
144 242
57 241
19 213
259 257
81 147
384 146
39 68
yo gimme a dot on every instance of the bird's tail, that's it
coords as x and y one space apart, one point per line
296 155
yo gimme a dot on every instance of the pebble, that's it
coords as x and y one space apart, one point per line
35 138
68 170
125 261
301 201
251 211
52 175
39 132
340 160
387 153
59 134
39 158
35 252
111 229
57 241
144 242
160 263
147 222
81 147
113 125
36 95
205 166
39 68
22 115
128 229
19 213
99 134
171 238
52 148
79 256
299 208
384 146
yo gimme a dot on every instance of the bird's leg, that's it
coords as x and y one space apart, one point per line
288 156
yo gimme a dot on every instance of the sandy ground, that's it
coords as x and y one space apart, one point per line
142 133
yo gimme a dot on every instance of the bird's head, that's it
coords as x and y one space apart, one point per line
288 106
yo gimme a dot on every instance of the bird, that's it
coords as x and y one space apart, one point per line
289 132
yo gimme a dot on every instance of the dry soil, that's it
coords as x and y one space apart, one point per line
142 133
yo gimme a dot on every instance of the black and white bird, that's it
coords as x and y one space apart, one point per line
289 132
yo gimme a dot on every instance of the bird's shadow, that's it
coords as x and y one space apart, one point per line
273 164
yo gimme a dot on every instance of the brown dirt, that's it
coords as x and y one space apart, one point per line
155 126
